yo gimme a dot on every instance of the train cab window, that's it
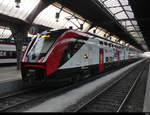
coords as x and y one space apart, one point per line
107 59
40 47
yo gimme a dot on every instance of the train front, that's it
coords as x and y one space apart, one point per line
33 64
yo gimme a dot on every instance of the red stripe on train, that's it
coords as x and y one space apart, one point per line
54 58
38 66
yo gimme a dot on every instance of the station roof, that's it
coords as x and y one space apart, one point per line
141 11
115 16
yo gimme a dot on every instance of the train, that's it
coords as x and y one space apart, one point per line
66 54
8 53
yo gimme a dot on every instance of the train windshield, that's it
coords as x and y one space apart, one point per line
40 47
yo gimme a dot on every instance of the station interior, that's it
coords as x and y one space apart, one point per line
122 24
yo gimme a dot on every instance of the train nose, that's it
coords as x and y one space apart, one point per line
33 75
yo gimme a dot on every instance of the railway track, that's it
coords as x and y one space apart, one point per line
114 97
21 98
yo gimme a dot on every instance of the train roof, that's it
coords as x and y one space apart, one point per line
61 31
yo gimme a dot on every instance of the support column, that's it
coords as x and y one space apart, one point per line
19 34
19 46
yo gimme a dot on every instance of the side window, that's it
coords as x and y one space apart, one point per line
111 59
70 50
75 47
101 43
109 44
105 43
107 59
66 54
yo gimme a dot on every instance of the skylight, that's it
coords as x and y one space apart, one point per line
122 11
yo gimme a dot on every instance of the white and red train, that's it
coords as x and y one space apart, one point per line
8 53
69 54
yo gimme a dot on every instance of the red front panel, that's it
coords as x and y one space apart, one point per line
35 65
54 58
101 60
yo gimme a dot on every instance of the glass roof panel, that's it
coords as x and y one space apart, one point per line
134 22
115 10
128 8
130 28
130 14
124 2
8 7
111 3
125 18
126 23
137 28
121 15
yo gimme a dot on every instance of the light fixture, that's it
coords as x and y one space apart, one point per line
57 16
17 3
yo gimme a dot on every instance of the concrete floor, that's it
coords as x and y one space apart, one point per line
147 94
9 73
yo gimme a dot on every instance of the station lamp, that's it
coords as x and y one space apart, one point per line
57 16
17 3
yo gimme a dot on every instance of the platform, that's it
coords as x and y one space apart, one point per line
10 80
147 94
9 73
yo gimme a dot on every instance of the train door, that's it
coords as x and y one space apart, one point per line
101 60
124 54
118 57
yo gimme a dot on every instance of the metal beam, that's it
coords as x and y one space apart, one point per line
41 6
